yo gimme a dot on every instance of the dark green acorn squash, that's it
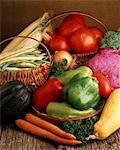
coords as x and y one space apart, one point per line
14 100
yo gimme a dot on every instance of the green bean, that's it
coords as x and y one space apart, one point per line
24 65
22 58
26 58
14 69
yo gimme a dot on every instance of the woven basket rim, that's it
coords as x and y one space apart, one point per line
52 118
82 14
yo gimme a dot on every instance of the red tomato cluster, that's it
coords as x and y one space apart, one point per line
73 34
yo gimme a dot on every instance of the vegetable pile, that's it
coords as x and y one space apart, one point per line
69 94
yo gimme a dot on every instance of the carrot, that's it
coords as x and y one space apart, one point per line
48 126
37 131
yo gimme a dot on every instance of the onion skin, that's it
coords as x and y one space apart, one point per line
59 56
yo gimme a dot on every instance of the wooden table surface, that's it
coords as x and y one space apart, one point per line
12 138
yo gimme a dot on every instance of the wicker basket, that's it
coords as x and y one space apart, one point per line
78 60
56 120
34 77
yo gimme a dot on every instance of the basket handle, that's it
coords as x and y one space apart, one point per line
46 49
82 14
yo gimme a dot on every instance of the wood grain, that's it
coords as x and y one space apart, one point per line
14 139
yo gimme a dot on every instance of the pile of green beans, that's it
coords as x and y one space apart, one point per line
22 59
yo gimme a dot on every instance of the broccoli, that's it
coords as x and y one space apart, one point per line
111 39
81 128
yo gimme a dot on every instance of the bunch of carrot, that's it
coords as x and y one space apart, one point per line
42 128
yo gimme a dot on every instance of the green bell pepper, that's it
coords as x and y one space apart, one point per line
66 76
64 109
82 92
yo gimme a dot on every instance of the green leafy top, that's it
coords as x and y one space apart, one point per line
81 128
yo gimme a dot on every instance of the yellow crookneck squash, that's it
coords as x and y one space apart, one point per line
109 120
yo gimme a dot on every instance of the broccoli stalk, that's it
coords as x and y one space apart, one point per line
111 39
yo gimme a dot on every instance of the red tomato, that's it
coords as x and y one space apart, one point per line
83 41
98 33
70 24
58 43
104 84
75 17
